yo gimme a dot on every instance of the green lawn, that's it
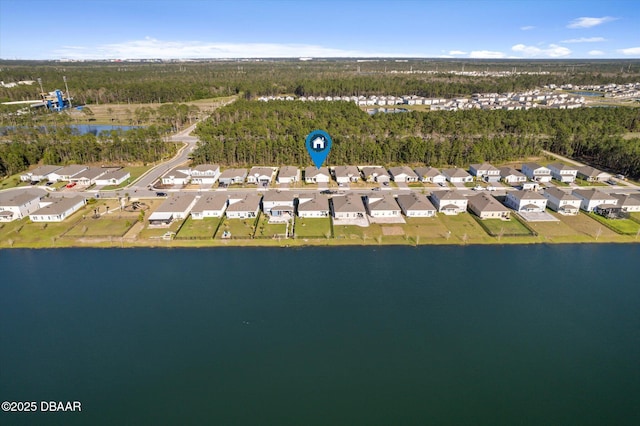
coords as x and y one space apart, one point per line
156 233
267 230
312 227
104 226
464 228
621 226
511 227
239 228
582 182
199 229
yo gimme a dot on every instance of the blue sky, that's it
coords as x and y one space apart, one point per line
121 29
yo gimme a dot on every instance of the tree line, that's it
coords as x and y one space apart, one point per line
272 133
63 145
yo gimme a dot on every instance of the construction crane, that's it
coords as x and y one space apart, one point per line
53 101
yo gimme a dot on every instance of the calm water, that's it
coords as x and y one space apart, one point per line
82 129
527 335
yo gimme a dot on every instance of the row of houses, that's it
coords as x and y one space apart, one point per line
35 205
77 173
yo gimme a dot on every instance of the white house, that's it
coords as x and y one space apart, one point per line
591 174
487 207
403 174
430 175
346 174
232 176
177 206
66 173
628 203
57 209
349 206
288 174
209 205
511 176
275 203
592 198
485 172
457 176
536 172
89 176
315 175
315 207
39 173
414 205
205 174
382 206
375 174
19 204
177 176
526 201
449 202
113 177
562 201
244 208
563 172
260 175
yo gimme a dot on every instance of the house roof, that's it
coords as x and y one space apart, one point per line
346 171
526 194
44 170
288 172
277 196
483 166
312 171
395 171
202 168
234 173
20 198
116 174
414 202
261 171
626 200
561 166
349 203
484 203
457 172
59 206
386 203
374 170
559 194
317 203
592 194
250 203
71 170
176 203
591 172
427 172
178 172
91 173
533 166
448 195
208 202
510 171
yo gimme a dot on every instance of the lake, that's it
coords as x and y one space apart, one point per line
82 129
482 335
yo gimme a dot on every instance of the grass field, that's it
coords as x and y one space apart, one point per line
464 228
239 228
198 229
312 227
105 226
621 226
266 230
510 227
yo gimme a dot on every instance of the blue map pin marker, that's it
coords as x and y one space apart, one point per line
318 145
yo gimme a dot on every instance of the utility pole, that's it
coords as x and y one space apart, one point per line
64 78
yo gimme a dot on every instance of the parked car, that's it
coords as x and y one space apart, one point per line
161 194
478 188
71 184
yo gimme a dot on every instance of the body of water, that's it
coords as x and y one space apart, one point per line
589 93
478 335
83 128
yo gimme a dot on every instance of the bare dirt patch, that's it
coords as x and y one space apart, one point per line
392 230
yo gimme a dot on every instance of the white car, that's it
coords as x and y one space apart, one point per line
478 188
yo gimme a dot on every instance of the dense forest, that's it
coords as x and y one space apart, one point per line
104 82
61 145
273 133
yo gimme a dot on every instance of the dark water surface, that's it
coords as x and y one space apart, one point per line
522 335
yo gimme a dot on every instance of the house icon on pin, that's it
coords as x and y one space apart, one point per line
318 143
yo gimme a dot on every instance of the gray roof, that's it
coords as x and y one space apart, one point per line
395 171
248 204
91 173
215 201
348 204
176 203
288 172
19 198
533 166
233 173
455 173
261 171
346 171
427 171
388 202
591 171
412 202
116 174
312 171
485 202
561 166
483 166
278 196
626 200
448 195
509 171
59 206
526 194
177 172
43 170
371 170
559 194
203 168
317 203
71 170
592 194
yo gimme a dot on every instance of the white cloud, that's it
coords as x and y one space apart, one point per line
586 22
153 48
486 54
553 51
584 40
630 51
595 52
527 28
457 52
